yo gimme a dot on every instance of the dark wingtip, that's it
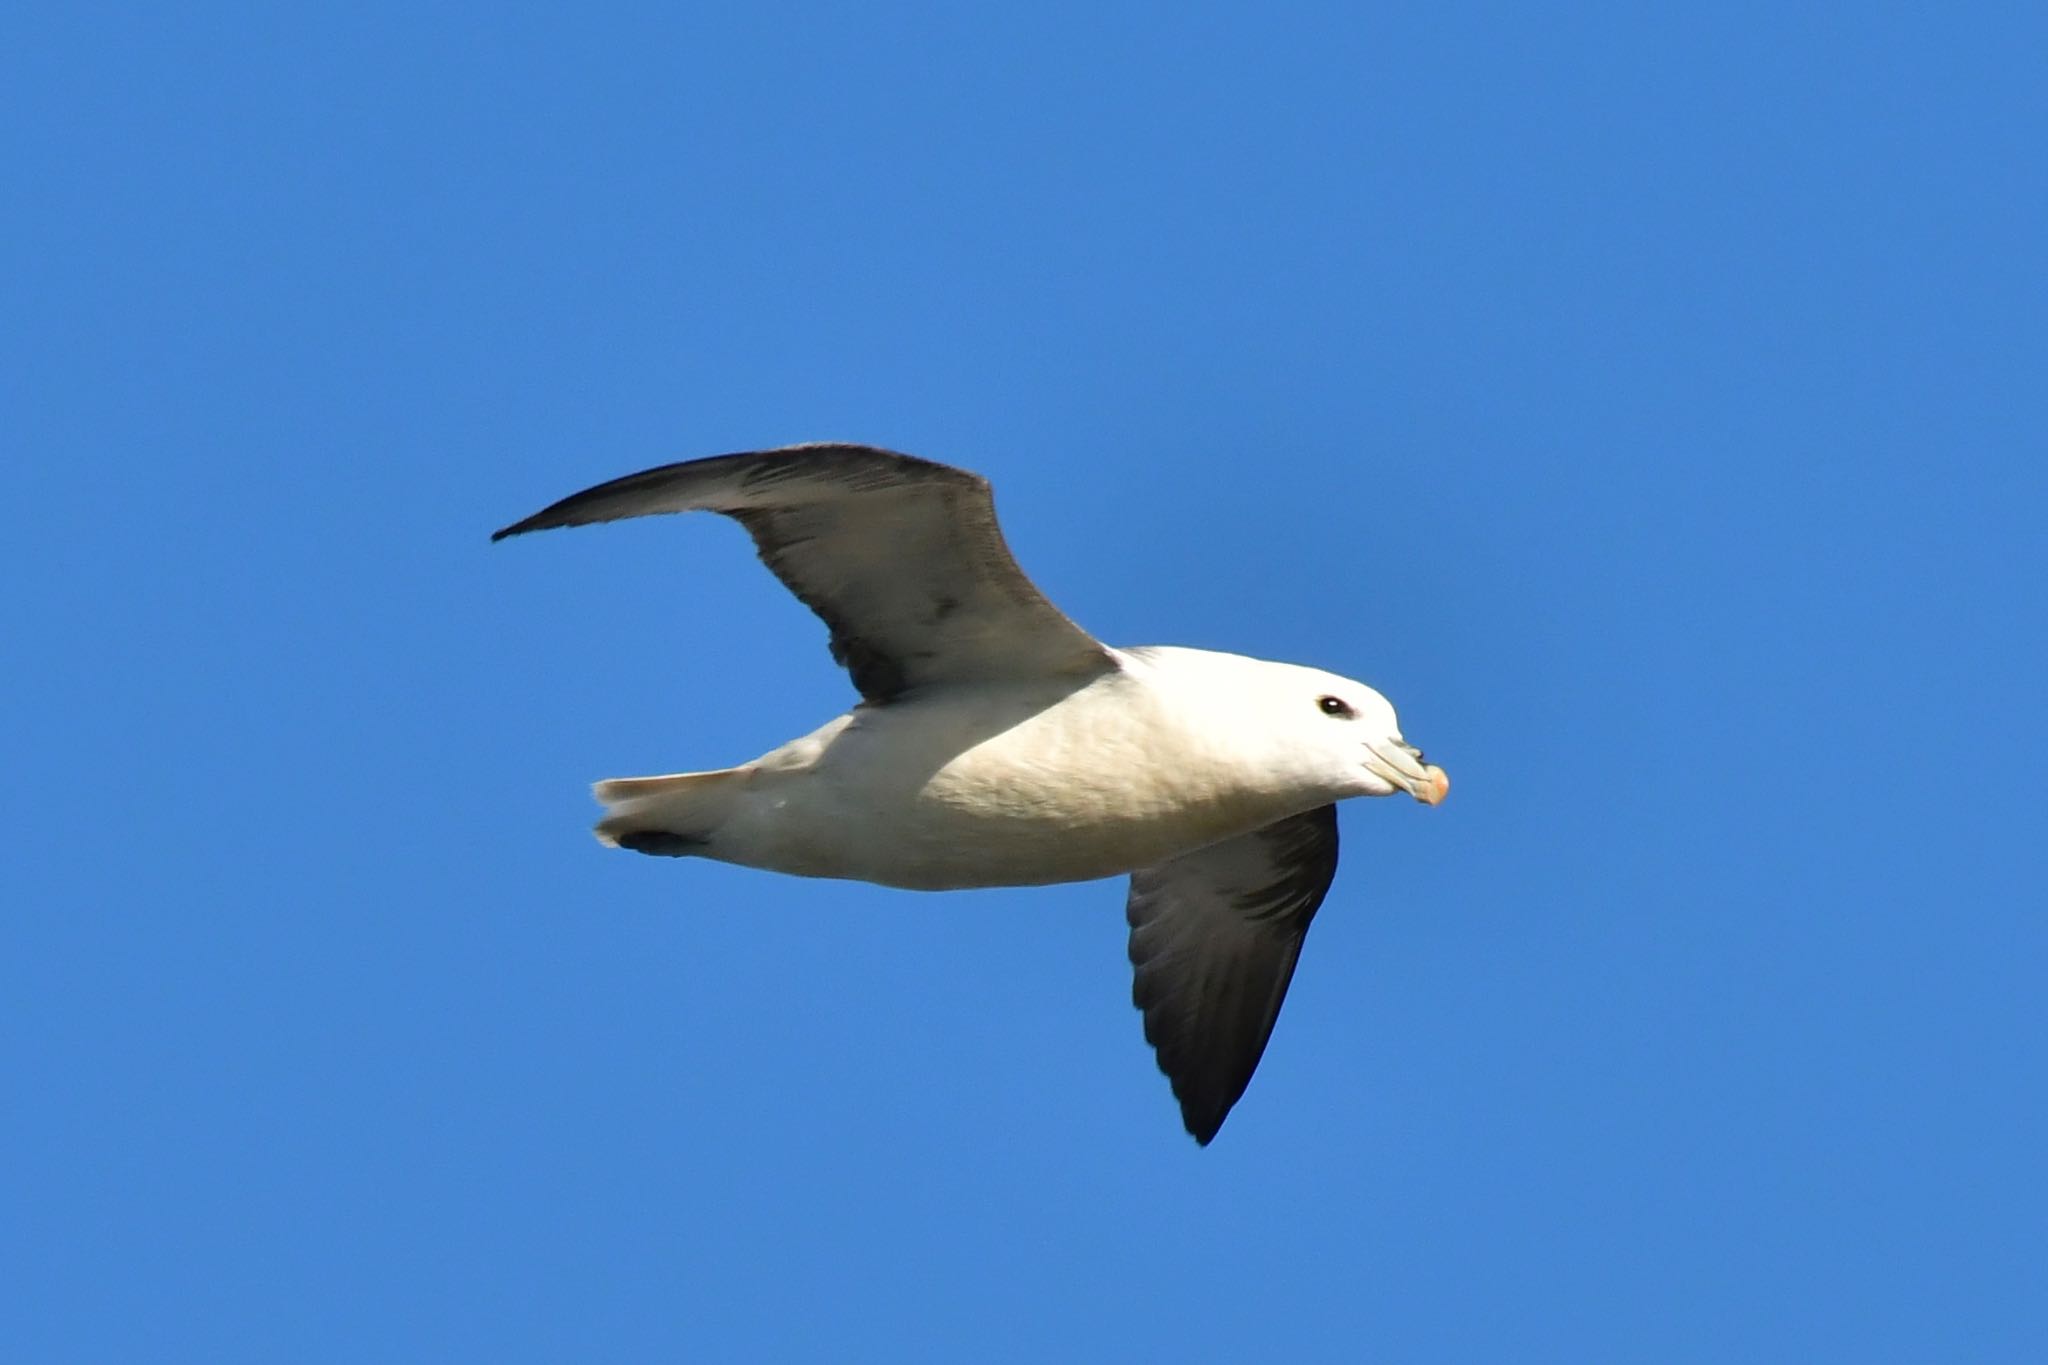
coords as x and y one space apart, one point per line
517 528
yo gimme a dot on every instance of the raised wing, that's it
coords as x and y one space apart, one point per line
900 557
1214 937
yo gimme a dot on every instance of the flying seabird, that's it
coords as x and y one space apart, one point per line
996 743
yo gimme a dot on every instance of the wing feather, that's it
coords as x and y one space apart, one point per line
901 558
1214 938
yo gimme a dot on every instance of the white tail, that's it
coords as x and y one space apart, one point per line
672 815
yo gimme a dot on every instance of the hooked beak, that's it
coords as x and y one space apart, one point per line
1402 765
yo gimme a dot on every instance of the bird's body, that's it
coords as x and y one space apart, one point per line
1024 784
999 744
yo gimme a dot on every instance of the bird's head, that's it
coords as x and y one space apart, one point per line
1349 732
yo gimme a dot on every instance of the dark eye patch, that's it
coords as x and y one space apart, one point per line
1335 706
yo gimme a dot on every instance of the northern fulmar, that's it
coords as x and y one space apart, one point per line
996 743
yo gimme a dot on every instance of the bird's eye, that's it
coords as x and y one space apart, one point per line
1334 706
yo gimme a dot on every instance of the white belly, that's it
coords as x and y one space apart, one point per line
940 795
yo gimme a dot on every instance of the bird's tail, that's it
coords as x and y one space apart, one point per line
672 816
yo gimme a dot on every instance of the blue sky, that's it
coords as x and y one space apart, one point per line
1647 400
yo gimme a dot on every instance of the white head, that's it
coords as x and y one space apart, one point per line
1315 732
1339 735
1359 728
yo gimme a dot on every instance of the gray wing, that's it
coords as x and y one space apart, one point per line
1214 937
900 557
